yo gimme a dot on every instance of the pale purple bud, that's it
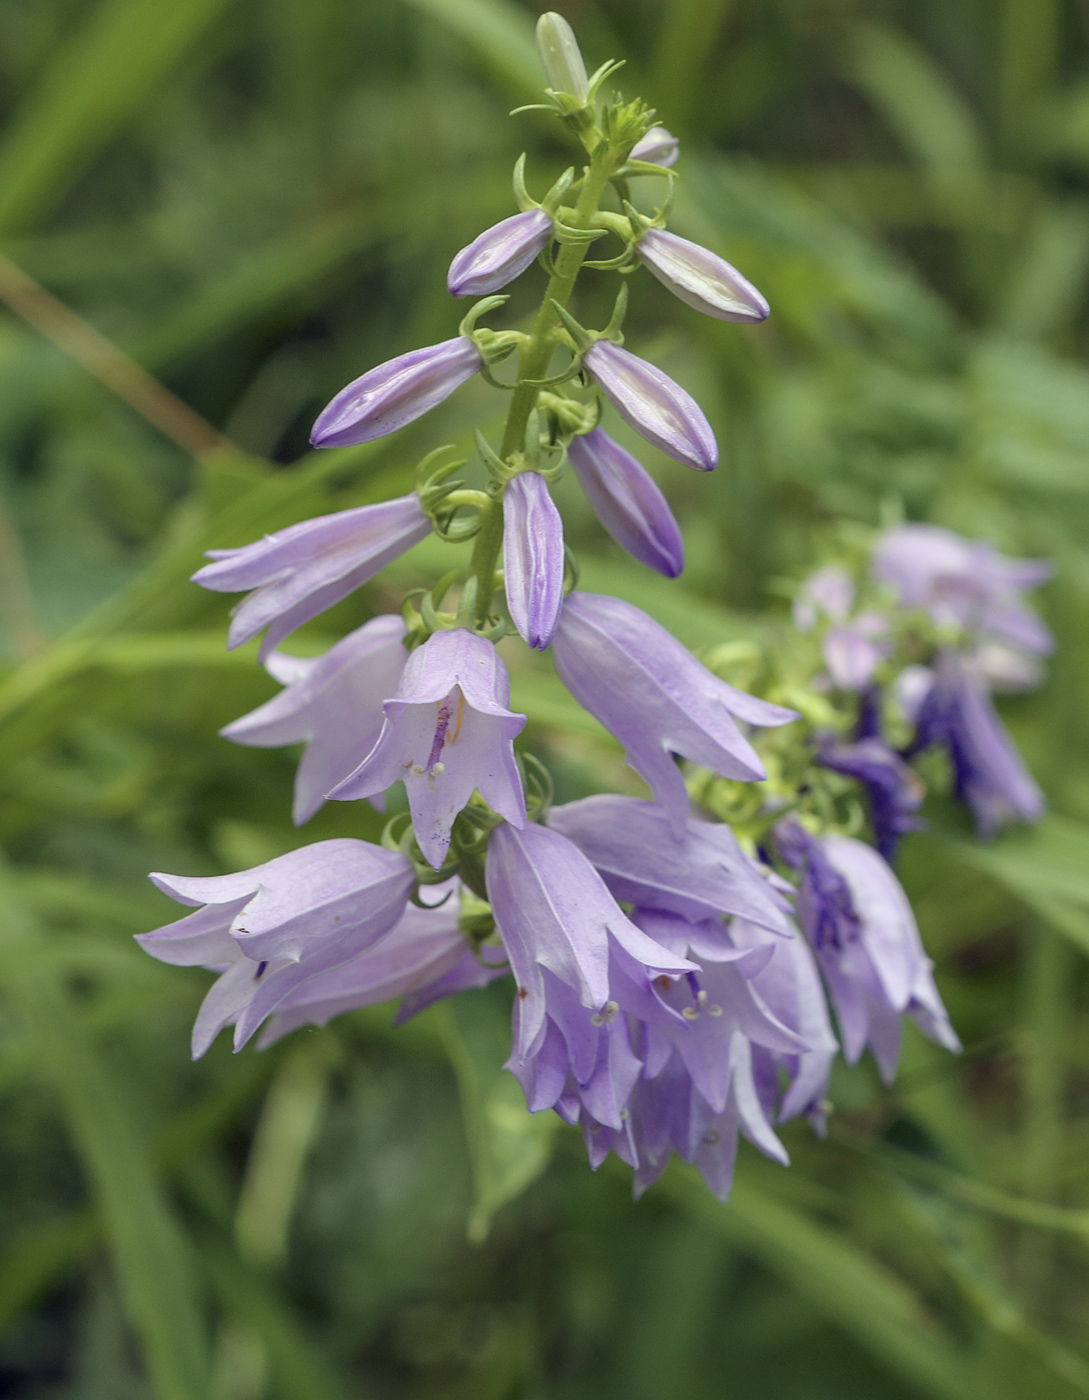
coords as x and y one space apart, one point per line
831 591
447 732
700 278
499 255
332 703
655 697
299 572
269 929
851 656
533 558
658 147
657 408
398 392
628 502
561 60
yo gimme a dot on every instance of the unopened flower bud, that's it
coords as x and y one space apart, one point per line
659 410
499 255
658 147
533 559
628 502
560 57
398 392
701 278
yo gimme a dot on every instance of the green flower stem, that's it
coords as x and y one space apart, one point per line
485 558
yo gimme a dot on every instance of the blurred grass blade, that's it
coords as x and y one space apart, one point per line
33 1261
150 1253
500 33
92 86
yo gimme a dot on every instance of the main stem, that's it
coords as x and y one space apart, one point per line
533 364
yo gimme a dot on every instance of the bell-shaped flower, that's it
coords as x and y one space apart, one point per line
332 703
555 915
657 408
423 959
398 392
269 929
658 147
628 502
298 572
499 254
894 789
963 582
447 732
861 927
533 558
699 872
700 278
956 712
652 694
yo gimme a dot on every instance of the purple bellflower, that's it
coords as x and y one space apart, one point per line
989 774
964 582
298 572
830 591
269 929
333 703
700 278
424 958
658 147
698 874
499 255
657 408
852 648
398 392
894 789
628 502
860 925
533 559
656 698
447 731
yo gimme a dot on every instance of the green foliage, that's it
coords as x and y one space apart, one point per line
259 201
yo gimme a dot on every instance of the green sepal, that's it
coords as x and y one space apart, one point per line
498 469
522 196
620 307
581 337
554 198
478 309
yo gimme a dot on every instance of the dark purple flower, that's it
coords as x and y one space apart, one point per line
657 408
499 254
860 925
989 774
658 147
299 572
655 697
332 703
533 558
964 582
424 958
398 392
269 929
895 791
699 873
628 502
447 732
701 278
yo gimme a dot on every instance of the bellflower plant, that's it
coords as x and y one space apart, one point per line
672 959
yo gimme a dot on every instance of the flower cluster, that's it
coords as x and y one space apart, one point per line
671 972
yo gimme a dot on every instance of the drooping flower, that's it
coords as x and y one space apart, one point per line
499 254
628 502
269 929
332 703
700 278
894 789
447 731
830 591
398 392
424 958
657 408
533 558
955 711
860 925
655 697
298 572
658 147
853 650
558 50
700 872
964 582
